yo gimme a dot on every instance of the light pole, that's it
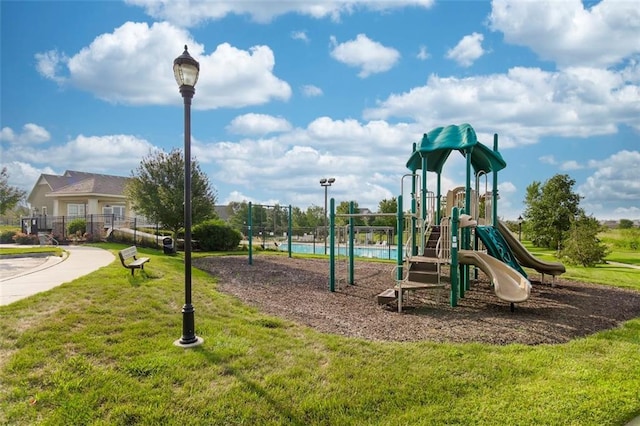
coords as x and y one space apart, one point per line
520 228
186 70
326 183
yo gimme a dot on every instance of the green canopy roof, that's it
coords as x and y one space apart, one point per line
437 145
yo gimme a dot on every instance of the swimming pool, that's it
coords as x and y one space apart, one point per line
370 251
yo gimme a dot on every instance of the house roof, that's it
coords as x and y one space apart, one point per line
82 183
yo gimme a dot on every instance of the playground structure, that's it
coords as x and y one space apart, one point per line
454 233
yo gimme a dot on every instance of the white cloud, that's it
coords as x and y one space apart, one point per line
616 179
368 55
290 163
300 35
31 134
570 165
524 104
117 154
193 12
50 63
132 65
627 212
548 159
569 33
506 188
422 53
309 90
467 50
24 175
258 124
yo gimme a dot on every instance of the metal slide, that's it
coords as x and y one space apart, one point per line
525 258
508 284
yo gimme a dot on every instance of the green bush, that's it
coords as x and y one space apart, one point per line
25 239
6 237
77 227
216 235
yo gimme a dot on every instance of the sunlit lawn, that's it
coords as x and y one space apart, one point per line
99 350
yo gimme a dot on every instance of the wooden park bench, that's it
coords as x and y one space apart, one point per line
132 253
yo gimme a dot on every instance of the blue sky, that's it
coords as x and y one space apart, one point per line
293 91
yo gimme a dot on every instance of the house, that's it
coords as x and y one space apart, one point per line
79 194
97 198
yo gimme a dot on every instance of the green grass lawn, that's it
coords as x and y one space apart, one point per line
601 274
18 250
99 350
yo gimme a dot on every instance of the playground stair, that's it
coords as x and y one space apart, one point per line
423 275
432 242
423 271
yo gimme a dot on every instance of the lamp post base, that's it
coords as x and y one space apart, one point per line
197 342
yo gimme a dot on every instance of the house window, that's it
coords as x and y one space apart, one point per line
117 211
75 210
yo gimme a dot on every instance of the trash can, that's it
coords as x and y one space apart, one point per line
167 245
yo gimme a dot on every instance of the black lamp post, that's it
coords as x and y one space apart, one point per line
326 183
520 228
186 70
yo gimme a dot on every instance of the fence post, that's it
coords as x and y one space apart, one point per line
332 252
290 229
250 232
351 241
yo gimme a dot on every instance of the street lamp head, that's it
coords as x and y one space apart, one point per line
323 181
186 69
331 180
520 219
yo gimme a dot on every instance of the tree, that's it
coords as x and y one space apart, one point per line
582 246
156 190
343 208
625 224
10 195
387 206
550 208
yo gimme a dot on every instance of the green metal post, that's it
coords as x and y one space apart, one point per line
249 230
466 232
438 199
399 256
290 230
494 194
414 212
454 257
463 269
423 201
351 241
332 254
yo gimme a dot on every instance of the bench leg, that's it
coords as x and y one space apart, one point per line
132 271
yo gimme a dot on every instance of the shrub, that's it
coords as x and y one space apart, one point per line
582 246
77 227
25 239
216 235
6 237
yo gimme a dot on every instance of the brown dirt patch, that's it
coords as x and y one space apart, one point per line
297 289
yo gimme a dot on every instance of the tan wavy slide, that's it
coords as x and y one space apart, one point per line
508 284
525 258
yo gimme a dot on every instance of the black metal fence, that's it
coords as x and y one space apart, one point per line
96 226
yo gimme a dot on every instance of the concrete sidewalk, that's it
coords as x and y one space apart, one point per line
21 278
